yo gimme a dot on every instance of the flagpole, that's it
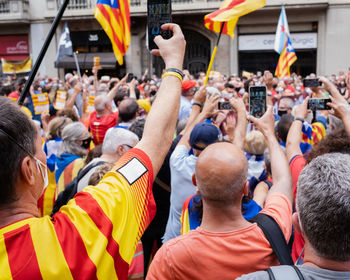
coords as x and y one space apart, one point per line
43 50
214 54
77 64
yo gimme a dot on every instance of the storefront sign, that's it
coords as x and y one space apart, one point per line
267 41
14 47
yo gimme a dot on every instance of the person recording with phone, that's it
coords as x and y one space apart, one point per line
95 235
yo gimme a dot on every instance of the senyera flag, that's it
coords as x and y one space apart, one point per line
287 58
229 12
114 17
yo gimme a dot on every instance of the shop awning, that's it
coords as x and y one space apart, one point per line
86 61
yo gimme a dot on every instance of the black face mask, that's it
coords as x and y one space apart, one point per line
86 143
237 89
274 86
153 92
281 113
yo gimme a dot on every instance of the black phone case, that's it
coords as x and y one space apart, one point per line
156 17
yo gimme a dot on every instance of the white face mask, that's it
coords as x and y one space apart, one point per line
43 173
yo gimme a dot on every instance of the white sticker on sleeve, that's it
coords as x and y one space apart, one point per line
133 170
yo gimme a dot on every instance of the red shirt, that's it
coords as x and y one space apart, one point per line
100 125
296 165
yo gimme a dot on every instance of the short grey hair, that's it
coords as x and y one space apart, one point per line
116 136
323 204
102 104
73 132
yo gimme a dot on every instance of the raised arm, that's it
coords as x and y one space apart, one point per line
111 94
241 127
282 179
295 133
71 100
161 120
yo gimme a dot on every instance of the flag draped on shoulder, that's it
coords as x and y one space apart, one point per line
283 46
114 17
65 44
287 58
229 12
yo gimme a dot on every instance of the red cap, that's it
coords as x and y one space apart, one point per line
186 85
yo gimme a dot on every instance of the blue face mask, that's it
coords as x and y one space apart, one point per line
42 83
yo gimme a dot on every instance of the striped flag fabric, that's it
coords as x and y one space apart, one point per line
114 17
229 12
282 31
287 58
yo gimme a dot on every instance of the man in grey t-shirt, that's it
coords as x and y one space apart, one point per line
323 219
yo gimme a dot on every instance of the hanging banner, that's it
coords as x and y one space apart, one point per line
16 67
61 98
91 107
41 103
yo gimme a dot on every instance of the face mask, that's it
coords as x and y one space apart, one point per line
42 83
43 173
241 91
86 143
308 90
280 89
281 113
153 92
297 88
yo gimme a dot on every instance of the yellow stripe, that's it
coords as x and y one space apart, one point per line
49 253
78 164
94 242
50 194
239 10
115 25
125 221
126 33
106 27
4 263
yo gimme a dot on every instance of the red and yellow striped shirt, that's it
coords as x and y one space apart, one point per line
93 237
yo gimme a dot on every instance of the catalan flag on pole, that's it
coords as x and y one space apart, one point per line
114 17
287 58
229 12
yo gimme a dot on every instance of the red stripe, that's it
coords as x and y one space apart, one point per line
224 30
127 13
80 265
21 254
229 7
108 19
86 202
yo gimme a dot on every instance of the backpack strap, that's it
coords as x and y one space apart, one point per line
274 235
285 272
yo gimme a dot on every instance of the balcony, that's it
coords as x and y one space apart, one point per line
85 8
14 11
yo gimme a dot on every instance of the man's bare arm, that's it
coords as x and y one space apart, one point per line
282 179
161 120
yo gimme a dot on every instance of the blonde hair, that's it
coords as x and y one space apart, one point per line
254 143
56 126
97 176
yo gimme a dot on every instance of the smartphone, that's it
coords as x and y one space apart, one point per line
318 104
225 105
257 101
130 77
312 83
158 13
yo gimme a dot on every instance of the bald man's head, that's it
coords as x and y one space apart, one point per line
101 103
128 109
221 173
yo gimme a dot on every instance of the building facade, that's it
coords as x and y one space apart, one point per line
319 29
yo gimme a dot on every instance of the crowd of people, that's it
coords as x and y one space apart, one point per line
166 184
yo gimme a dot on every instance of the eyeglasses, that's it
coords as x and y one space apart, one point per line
128 146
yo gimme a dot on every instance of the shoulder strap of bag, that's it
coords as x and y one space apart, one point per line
285 272
71 188
275 236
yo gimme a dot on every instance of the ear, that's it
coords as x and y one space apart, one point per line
246 189
120 150
296 223
194 181
26 170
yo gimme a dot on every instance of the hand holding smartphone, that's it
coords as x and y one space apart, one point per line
312 83
158 13
257 101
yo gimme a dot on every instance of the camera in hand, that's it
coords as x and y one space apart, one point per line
158 13
130 77
225 105
312 83
257 101
318 104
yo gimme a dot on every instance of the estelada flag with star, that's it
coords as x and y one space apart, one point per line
287 58
229 12
114 17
